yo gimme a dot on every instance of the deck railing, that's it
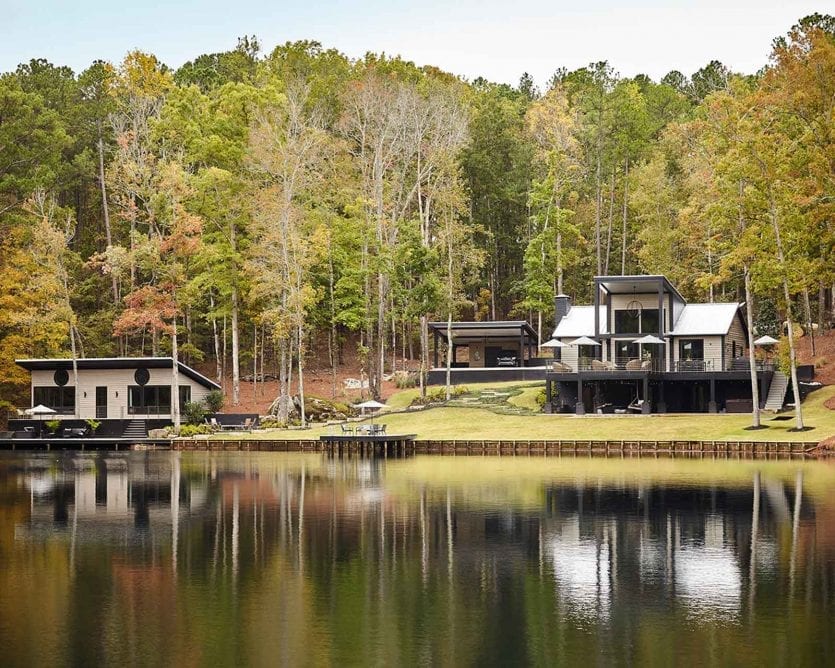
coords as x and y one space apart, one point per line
638 364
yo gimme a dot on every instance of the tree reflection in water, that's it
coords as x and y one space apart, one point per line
264 559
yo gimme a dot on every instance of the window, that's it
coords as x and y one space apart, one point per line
643 322
625 350
691 349
59 399
185 396
149 400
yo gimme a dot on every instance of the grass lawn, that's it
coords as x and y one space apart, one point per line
491 423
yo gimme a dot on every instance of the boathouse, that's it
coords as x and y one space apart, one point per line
128 395
641 347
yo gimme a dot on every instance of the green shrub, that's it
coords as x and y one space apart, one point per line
271 423
187 430
540 398
194 412
93 424
404 380
214 401
52 425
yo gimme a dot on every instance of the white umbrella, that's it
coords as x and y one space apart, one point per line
766 341
371 404
40 410
584 341
649 339
553 343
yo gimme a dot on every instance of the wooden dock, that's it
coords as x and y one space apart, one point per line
82 444
381 445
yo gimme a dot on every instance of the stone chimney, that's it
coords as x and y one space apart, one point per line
562 305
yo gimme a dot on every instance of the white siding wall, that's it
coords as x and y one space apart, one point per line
569 355
712 347
116 381
737 334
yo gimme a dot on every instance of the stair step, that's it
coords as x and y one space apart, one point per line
777 392
135 429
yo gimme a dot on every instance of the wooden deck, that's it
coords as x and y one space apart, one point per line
370 444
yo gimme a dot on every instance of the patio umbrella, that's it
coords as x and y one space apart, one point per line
553 343
649 339
766 341
40 410
371 404
584 341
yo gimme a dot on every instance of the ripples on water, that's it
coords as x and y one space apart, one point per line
204 559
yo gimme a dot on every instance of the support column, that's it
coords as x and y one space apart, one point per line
435 351
645 407
662 405
711 406
579 407
549 398
522 347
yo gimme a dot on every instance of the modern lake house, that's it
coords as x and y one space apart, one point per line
641 347
128 395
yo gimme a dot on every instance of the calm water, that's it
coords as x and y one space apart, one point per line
166 559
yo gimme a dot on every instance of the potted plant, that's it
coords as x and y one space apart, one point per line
52 426
93 424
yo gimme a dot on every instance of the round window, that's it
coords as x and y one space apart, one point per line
61 377
142 376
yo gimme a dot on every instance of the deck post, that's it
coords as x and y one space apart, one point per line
521 346
711 407
580 408
435 347
662 405
645 407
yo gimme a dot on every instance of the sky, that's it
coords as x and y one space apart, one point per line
471 38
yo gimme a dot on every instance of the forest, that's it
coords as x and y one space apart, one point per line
258 213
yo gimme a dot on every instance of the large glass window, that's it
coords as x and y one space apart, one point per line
644 321
185 396
625 350
149 400
691 349
59 399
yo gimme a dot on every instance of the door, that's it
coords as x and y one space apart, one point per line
101 403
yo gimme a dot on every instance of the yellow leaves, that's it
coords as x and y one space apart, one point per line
142 75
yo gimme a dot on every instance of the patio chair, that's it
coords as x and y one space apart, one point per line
247 425
634 365
347 429
636 405
560 367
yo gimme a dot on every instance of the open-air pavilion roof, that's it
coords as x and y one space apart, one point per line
621 285
463 332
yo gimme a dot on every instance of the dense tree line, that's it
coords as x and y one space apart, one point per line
257 209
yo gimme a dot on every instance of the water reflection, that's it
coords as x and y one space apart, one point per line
265 559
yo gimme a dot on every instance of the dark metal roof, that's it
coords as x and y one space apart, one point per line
496 329
117 363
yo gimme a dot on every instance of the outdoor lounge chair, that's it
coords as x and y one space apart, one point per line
561 367
634 365
597 365
347 429
636 405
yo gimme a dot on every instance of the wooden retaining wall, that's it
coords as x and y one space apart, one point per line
525 448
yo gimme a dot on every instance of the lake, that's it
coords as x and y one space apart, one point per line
232 559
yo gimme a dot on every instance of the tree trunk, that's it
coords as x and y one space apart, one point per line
301 377
609 225
810 329
216 340
798 410
254 361
175 378
114 286
752 362
424 353
236 362
449 355
623 231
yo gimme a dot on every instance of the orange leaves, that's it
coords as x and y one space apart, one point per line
148 307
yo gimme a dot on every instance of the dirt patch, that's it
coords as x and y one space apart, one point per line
823 358
318 381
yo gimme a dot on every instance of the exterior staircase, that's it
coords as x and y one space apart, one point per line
776 392
135 429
